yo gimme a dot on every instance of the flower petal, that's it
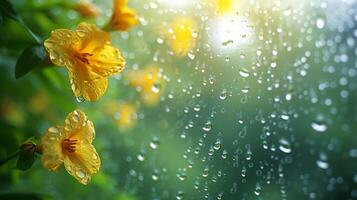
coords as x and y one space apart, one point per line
120 3
52 156
83 163
90 90
78 127
92 38
123 19
60 46
105 62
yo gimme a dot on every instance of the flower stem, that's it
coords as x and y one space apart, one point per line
11 156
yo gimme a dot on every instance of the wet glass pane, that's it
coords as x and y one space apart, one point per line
219 99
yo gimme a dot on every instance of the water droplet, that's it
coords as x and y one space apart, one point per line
155 175
80 174
245 90
197 185
224 154
53 129
217 145
140 157
191 56
322 164
223 95
154 143
319 126
228 42
288 96
180 195
208 126
155 88
320 23
284 146
257 190
205 172
181 176
243 73
80 99
75 118
160 40
197 107
284 116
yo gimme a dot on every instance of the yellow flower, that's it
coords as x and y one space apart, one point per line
86 9
39 102
71 144
149 82
124 114
181 36
89 57
123 17
223 6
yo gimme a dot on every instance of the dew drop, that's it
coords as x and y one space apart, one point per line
245 90
284 146
208 126
243 73
217 145
155 175
154 143
53 129
80 99
181 176
140 157
320 23
223 95
258 190
197 107
322 164
155 88
80 174
319 126
180 195
191 56
224 154
205 172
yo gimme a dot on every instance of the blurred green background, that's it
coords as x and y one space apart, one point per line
262 106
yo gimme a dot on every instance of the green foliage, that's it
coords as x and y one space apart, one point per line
21 196
7 10
27 155
32 57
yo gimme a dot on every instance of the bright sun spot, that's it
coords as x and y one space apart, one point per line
175 3
230 32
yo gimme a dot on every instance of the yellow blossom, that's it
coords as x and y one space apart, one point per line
123 17
149 82
89 57
71 144
86 9
223 6
124 114
39 102
181 36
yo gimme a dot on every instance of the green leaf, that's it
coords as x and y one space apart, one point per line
29 196
32 57
25 161
7 10
27 156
